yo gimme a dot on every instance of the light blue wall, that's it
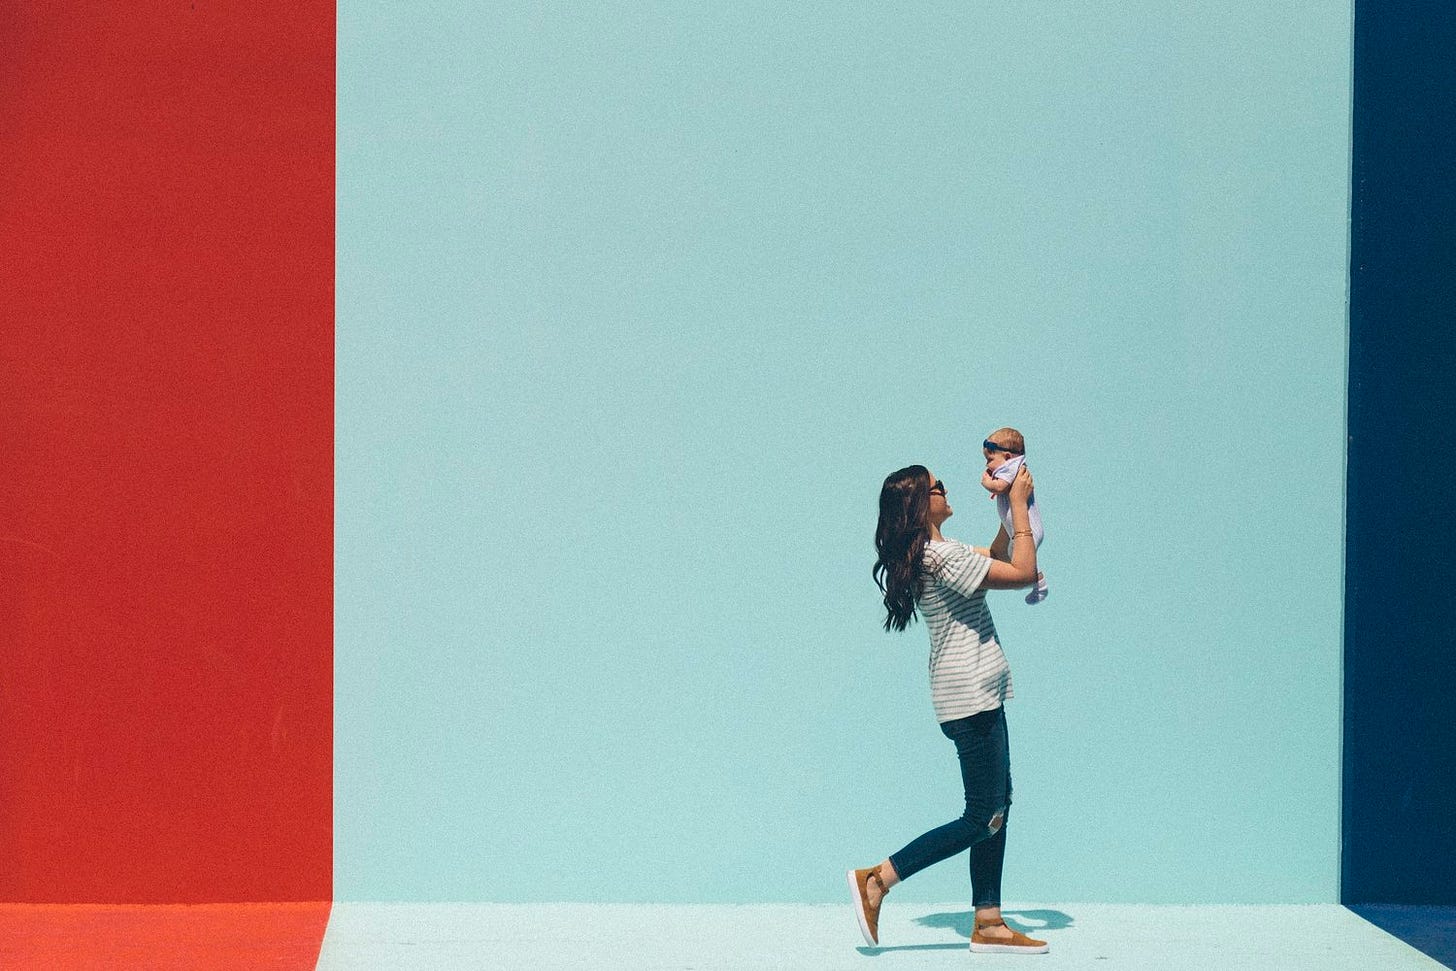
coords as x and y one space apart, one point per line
639 303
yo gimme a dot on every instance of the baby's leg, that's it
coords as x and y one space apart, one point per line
1037 593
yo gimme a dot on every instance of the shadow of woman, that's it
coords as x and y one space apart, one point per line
964 921
1027 921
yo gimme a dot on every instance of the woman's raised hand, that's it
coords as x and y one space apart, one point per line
1021 485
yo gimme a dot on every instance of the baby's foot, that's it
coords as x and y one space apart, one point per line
1037 593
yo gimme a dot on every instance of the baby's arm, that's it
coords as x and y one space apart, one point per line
994 485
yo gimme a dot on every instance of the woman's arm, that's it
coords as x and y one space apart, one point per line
1000 545
1021 571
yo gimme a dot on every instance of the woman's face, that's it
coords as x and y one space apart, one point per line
940 509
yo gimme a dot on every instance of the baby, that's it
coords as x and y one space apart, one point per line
1005 451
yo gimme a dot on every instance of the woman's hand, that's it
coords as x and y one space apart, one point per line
1021 485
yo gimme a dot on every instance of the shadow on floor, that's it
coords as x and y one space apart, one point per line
1429 929
963 922
1026 921
874 951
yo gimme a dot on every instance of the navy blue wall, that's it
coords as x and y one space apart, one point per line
1399 793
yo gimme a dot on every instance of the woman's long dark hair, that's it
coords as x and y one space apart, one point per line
900 540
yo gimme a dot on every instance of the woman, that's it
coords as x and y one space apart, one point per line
969 681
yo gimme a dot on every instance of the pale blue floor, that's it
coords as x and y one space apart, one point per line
403 937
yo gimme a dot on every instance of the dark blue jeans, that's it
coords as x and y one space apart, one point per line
985 758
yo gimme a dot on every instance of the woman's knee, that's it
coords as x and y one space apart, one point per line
986 823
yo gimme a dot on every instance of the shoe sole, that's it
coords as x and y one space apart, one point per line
1009 949
859 908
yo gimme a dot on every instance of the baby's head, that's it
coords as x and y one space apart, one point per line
1002 445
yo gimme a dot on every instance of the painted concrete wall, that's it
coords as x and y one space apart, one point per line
1400 736
638 304
167 417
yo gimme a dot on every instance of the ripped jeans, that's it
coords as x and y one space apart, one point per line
985 758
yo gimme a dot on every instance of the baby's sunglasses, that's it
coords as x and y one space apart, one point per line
991 446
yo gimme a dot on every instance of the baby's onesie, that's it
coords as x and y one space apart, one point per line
1006 472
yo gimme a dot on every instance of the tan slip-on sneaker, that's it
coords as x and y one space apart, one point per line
869 917
1018 944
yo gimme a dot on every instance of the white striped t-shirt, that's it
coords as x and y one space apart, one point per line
968 671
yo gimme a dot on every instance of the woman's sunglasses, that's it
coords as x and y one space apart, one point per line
938 489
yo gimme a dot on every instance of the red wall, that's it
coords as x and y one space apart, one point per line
166 431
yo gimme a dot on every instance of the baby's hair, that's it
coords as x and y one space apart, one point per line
1009 437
